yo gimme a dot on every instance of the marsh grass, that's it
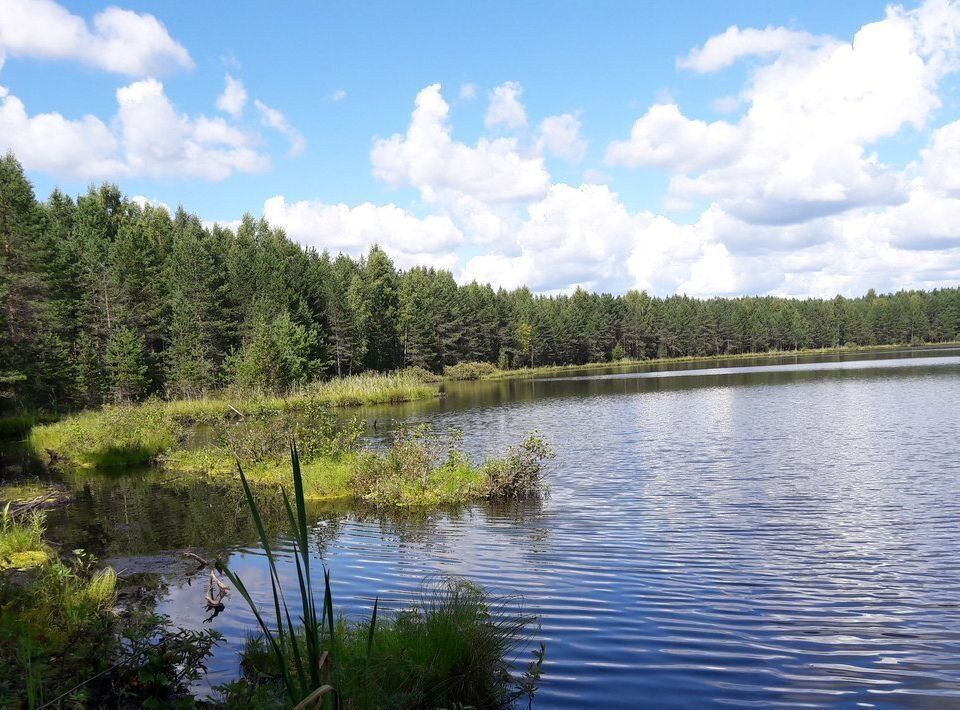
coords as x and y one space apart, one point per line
21 540
16 425
121 436
457 648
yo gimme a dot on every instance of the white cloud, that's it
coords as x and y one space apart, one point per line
159 141
143 201
573 236
272 118
803 149
505 107
338 95
148 137
233 98
724 49
665 138
443 170
560 136
51 143
341 228
120 41
468 91
941 159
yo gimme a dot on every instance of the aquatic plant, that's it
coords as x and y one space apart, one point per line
520 474
63 644
456 649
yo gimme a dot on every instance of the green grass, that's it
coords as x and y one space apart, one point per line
419 469
21 540
130 435
454 650
470 370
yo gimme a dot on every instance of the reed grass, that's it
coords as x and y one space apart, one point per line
456 649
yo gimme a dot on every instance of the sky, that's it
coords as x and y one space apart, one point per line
707 148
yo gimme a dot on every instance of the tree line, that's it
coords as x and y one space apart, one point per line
106 300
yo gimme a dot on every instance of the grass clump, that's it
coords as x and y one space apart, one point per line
21 540
63 642
116 436
470 370
423 468
16 425
373 388
454 650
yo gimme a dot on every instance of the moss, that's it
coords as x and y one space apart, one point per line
24 560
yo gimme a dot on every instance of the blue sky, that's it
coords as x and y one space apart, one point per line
683 208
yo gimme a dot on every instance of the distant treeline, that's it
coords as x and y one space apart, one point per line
104 300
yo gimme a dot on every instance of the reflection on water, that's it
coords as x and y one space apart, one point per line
785 536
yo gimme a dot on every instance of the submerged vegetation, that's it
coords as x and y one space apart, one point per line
457 649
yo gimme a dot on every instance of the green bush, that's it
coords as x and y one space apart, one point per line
470 370
520 474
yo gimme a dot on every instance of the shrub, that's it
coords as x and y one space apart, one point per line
420 373
470 370
265 436
520 474
420 468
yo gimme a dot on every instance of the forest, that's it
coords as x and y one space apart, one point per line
105 300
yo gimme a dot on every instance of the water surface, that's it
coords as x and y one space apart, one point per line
765 533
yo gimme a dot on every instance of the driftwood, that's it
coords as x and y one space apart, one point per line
41 502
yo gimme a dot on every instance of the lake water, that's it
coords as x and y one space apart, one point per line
776 532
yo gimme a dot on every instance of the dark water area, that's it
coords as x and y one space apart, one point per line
782 532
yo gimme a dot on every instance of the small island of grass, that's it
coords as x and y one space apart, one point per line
418 468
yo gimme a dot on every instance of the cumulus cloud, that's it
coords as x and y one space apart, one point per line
341 228
147 137
50 143
233 98
803 148
793 197
574 236
721 51
159 141
275 119
505 107
120 41
665 138
560 136
443 170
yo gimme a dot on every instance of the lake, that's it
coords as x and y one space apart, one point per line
783 531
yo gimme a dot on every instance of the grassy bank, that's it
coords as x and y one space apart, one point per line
497 373
128 435
419 468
